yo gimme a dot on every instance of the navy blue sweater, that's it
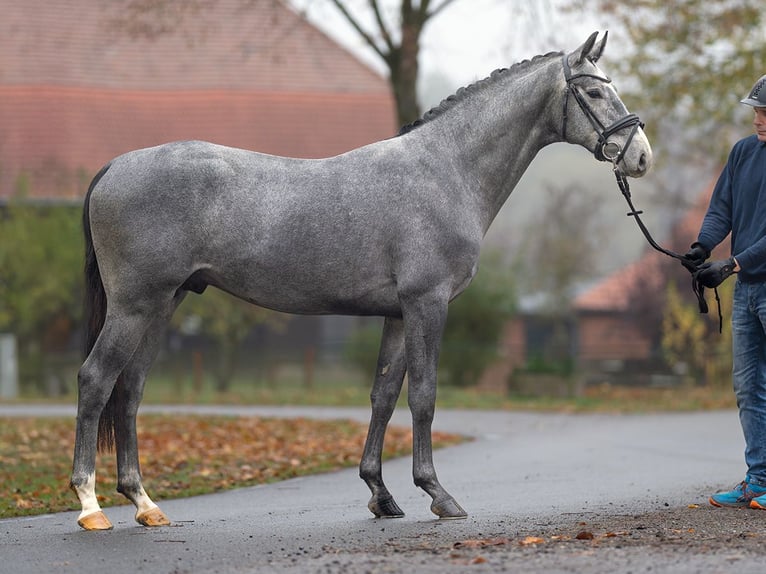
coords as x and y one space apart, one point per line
738 205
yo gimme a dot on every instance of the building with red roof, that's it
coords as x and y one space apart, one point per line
612 333
82 81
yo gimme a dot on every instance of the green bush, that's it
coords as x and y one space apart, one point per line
474 326
41 284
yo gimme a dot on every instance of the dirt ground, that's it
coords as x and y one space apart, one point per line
692 539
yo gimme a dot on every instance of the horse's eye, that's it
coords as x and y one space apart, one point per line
594 93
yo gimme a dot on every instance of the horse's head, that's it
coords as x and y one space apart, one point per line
595 117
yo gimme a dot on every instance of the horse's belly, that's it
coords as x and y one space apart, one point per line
319 290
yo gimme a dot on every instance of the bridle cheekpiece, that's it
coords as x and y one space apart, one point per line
605 150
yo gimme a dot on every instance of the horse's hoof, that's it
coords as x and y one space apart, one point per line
448 509
385 508
95 521
152 517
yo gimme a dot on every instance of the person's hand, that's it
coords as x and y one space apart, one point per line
695 257
712 274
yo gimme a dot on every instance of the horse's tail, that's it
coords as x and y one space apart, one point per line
95 314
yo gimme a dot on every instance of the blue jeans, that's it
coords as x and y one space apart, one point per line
748 320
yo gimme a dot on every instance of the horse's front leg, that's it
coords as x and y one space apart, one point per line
385 392
424 323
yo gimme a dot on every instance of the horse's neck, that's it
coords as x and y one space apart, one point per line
496 134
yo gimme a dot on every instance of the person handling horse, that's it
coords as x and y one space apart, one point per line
737 206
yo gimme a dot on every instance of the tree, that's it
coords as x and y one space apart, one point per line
562 245
693 60
41 251
691 339
398 48
475 322
560 250
397 43
228 321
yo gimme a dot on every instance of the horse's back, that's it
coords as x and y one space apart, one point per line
276 231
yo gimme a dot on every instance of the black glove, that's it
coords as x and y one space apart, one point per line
695 257
712 274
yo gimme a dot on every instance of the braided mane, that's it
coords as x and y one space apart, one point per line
467 91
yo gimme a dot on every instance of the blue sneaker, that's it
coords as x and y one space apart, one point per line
740 496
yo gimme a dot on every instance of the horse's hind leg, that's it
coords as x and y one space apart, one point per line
118 340
385 392
131 387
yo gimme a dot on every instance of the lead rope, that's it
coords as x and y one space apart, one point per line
697 287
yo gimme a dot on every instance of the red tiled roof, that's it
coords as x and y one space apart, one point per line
614 292
225 44
75 91
49 131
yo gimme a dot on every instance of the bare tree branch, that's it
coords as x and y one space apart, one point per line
382 26
426 15
359 28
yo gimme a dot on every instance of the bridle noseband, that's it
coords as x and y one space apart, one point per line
605 150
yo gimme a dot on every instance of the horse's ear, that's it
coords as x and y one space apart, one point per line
584 51
599 48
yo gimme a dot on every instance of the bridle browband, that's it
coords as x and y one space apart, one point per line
613 152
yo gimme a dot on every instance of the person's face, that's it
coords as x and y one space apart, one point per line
759 122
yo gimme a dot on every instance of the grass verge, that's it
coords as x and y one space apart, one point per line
181 456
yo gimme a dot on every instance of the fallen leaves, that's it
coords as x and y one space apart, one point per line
181 456
532 540
529 541
483 543
23 503
704 529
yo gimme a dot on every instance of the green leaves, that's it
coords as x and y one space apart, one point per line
693 61
475 322
41 259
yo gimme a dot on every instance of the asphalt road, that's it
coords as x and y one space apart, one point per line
522 472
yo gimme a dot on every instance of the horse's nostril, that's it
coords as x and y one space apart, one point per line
642 162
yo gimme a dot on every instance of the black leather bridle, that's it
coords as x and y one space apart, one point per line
605 150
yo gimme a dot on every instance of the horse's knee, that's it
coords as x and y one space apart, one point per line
383 400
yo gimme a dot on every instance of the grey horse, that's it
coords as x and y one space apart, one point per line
391 229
